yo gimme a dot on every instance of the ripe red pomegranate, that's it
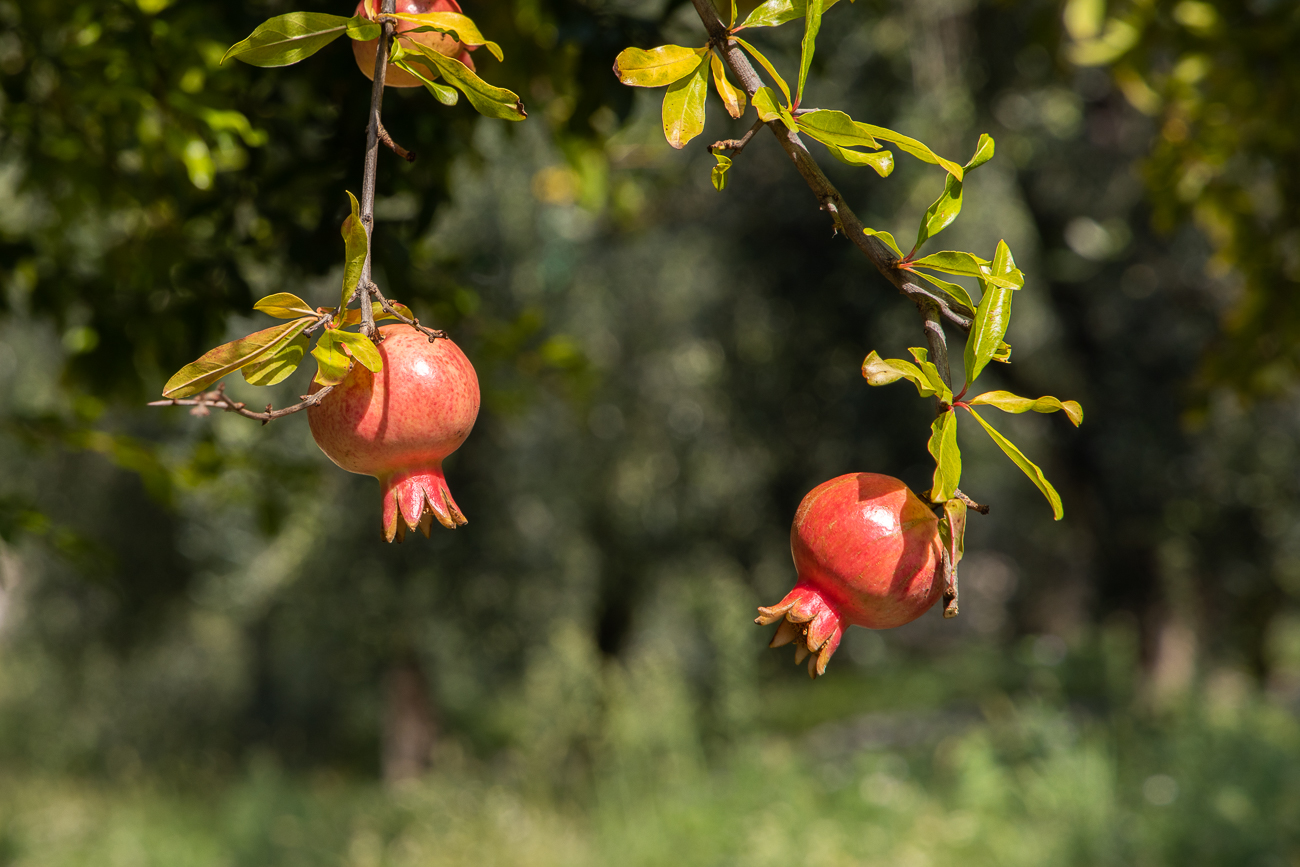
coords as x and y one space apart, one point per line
399 424
439 42
868 553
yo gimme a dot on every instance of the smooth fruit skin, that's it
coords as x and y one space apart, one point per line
868 553
439 42
399 424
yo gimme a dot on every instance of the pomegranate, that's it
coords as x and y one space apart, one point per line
399 424
868 553
439 42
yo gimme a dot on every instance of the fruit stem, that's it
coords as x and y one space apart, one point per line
362 292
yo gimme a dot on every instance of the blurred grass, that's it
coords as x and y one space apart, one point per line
1031 780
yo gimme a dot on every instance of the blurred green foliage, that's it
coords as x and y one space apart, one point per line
197 618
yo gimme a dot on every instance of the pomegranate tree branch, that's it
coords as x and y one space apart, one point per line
736 145
387 306
217 399
362 292
830 198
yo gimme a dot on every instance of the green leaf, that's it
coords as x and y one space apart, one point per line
993 315
881 161
983 152
363 29
987 330
776 12
719 173
270 369
916 149
229 357
657 67
361 348
812 24
941 213
887 238
766 64
954 262
331 362
286 39
487 99
356 244
459 26
879 371
1027 466
836 128
683 110
731 23
284 305
931 373
1003 353
955 291
441 92
947 457
1008 402
732 97
769 108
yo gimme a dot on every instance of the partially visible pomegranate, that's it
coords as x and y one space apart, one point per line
439 42
399 424
868 553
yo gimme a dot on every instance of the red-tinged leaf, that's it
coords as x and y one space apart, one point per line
229 357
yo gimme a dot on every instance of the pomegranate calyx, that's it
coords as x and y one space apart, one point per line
414 498
808 620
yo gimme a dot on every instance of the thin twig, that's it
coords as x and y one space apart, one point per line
385 305
387 139
938 343
971 504
736 145
217 399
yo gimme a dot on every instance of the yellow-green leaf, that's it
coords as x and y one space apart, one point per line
719 173
1028 467
812 24
732 97
657 67
887 238
947 457
270 369
1008 402
284 305
441 92
683 109
837 128
777 12
229 357
931 373
361 348
766 64
356 245
879 371
954 291
287 39
331 362
881 161
916 149
458 25
487 99
769 108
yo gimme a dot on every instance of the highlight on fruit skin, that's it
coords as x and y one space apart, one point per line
868 553
365 52
399 424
